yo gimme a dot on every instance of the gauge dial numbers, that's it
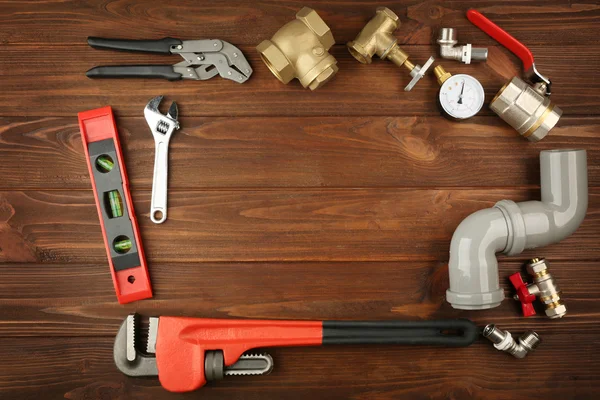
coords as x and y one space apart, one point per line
461 96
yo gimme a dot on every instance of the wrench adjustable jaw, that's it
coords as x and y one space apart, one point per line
162 127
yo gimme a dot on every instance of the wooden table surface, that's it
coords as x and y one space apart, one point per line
286 203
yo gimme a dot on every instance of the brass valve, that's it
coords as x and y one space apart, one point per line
544 286
377 38
526 108
299 49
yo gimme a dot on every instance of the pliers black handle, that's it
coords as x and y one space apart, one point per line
160 46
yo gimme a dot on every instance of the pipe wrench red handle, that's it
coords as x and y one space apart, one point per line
186 352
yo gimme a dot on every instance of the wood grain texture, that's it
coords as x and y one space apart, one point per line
79 300
298 152
552 22
357 89
269 225
84 370
286 203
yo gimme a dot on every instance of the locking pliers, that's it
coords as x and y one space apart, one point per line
203 59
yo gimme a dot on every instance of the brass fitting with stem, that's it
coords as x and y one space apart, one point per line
376 38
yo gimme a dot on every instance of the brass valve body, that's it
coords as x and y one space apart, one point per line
299 49
377 38
525 109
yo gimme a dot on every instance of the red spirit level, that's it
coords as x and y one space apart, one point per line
115 208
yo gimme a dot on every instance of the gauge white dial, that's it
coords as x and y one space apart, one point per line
461 96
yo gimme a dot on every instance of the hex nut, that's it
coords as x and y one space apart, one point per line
536 268
389 13
276 61
323 77
316 24
556 312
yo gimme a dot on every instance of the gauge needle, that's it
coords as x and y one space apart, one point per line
460 96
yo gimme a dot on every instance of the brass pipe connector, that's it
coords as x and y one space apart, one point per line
526 108
544 286
299 49
377 38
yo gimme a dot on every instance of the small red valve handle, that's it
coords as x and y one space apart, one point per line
525 297
503 37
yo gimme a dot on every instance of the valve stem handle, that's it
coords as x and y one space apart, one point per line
503 37
523 294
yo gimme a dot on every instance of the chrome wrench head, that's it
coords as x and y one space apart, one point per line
162 127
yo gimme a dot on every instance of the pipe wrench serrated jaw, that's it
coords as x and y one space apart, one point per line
128 359
186 362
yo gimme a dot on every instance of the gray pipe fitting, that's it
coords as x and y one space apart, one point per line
467 53
504 341
511 227
526 109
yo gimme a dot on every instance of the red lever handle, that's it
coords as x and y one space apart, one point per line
525 297
503 37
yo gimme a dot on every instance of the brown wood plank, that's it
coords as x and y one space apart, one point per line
286 203
269 225
78 299
298 152
61 87
82 368
552 22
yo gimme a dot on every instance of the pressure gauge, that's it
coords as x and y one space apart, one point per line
461 96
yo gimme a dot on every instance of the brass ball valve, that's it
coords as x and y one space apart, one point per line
525 107
299 49
544 286
377 38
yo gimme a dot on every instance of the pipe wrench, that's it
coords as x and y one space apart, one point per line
185 353
162 127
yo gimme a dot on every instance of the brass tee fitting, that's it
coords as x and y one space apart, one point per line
544 286
377 38
299 49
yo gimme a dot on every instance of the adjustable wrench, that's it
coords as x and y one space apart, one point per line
162 127
185 353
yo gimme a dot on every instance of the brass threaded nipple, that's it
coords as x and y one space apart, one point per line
441 74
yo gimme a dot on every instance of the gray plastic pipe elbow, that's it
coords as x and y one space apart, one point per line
511 227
